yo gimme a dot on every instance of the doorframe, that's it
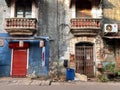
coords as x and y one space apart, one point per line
94 55
12 61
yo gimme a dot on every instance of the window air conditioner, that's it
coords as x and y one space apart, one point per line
110 28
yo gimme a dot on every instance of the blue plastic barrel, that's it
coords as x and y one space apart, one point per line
70 73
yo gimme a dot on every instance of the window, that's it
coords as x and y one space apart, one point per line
24 8
83 8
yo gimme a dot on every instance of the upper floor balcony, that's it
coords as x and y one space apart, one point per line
85 26
21 26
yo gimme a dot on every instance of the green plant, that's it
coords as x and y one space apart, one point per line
117 72
103 78
110 67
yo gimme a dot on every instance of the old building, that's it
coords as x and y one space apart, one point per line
111 36
95 30
22 52
84 32
86 42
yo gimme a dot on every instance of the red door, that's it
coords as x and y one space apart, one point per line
19 62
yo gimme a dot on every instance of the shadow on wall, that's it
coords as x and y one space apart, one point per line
107 4
109 12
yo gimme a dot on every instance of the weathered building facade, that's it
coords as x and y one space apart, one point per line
111 16
77 30
23 53
87 41
95 26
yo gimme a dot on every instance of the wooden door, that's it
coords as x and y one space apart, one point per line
84 60
19 63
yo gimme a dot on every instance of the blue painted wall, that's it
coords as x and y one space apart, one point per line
5 60
35 63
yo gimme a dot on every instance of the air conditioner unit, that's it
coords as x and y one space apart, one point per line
110 28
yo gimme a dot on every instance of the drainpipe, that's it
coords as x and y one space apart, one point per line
58 33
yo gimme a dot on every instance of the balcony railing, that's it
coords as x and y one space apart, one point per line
85 26
21 26
85 23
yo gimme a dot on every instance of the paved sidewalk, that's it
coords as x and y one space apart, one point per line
23 81
27 81
82 83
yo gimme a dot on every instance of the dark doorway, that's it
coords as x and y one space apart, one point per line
84 59
83 8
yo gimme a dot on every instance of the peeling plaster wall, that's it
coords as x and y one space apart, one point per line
4 13
5 52
111 13
54 21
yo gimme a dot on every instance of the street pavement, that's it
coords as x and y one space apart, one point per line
36 82
23 81
31 84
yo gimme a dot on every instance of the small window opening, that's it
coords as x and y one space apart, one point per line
24 8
